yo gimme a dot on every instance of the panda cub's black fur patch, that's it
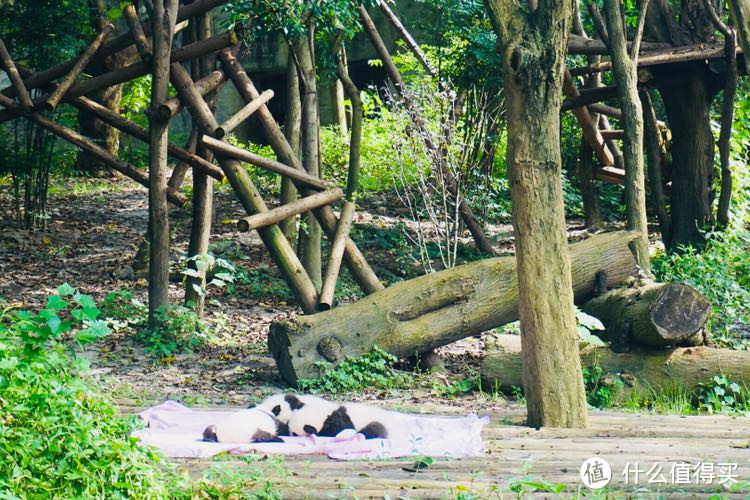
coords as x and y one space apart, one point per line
293 401
209 434
374 430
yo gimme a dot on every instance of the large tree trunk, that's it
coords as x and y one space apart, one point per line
164 16
310 237
684 367
688 107
533 49
741 15
421 314
651 314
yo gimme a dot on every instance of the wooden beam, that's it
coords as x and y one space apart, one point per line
54 99
284 212
188 52
353 258
610 174
243 114
587 97
204 86
275 241
588 126
15 79
222 148
136 30
612 134
578 44
94 149
325 301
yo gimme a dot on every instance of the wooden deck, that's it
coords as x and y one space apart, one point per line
516 453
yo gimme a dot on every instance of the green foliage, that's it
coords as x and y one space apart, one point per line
598 394
721 272
454 389
261 282
373 370
178 329
121 305
721 395
60 438
672 400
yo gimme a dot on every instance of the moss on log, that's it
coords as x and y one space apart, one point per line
642 370
434 310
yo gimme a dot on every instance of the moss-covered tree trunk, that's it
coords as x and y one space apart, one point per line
533 39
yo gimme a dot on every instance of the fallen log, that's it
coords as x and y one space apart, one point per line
683 367
424 313
652 314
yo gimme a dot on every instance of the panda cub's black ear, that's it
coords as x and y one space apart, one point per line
293 401
276 410
310 429
209 434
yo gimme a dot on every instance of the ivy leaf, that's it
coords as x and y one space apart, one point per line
55 303
97 330
65 290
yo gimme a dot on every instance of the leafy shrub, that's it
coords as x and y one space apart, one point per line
261 281
121 305
721 272
178 329
598 394
722 395
59 437
373 370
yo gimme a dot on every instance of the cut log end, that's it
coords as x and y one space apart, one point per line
679 312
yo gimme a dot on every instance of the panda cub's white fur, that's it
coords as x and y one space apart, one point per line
283 405
325 418
245 426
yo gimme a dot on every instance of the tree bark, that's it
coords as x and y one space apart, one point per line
625 69
355 142
741 14
651 314
688 108
164 17
660 370
533 49
310 237
203 189
421 314
592 208
653 153
293 133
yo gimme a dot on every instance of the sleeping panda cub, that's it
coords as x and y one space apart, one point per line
324 418
254 425
283 405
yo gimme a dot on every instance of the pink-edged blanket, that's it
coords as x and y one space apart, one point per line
178 431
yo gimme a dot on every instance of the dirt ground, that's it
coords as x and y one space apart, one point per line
92 237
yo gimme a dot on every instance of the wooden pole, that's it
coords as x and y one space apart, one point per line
136 30
54 99
406 36
283 212
94 149
15 79
293 134
276 243
204 86
337 253
163 23
227 150
192 51
352 92
236 120
353 258
588 126
142 134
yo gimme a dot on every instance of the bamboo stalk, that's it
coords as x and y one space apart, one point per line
15 79
204 86
284 212
338 245
353 258
243 114
192 51
136 30
223 149
275 241
54 99
94 149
